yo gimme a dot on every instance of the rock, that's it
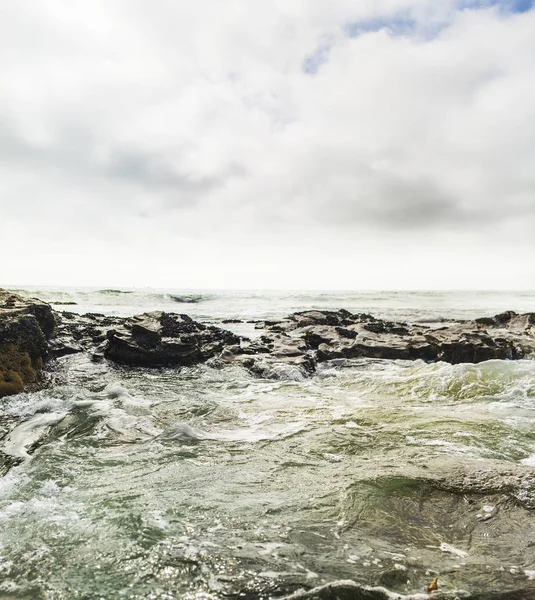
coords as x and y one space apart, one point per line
161 339
78 333
25 327
30 331
339 334
350 590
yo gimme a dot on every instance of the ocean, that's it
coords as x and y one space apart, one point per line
203 483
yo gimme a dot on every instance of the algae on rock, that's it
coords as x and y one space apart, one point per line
25 326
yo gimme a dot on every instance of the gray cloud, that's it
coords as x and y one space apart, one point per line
271 125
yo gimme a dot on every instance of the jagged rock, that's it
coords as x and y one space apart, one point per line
25 327
31 331
79 333
343 335
160 339
305 338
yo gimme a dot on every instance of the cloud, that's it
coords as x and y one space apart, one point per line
169 131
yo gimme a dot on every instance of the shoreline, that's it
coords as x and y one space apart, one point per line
32 332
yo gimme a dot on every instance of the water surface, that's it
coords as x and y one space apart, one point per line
208 483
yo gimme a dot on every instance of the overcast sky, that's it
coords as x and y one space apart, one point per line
341 144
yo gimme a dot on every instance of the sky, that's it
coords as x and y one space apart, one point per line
290 144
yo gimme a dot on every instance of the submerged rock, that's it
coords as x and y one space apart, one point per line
25 327
350 590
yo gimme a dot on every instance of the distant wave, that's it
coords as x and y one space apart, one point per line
155 296
189 299
114 292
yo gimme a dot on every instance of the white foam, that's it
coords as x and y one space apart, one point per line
183 432
28 432
452 550
529 461
115 390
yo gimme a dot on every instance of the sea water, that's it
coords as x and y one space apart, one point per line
208 483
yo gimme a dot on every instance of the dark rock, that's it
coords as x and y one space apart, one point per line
386 327
347 333
161 339
332 335
30 332
80 333
25 327
316 337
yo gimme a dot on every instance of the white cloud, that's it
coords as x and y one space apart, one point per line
185 144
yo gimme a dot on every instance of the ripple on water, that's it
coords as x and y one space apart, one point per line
282 484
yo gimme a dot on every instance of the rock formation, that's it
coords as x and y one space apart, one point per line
160 339
31 332
25 328
309 337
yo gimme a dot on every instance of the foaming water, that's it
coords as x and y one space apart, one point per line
204 483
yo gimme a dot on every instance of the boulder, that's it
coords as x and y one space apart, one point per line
160 339
26 325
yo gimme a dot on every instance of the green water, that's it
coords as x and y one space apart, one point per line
281 484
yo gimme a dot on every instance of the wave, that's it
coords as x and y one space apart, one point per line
112 292
347 588
188 299
493 380
158 296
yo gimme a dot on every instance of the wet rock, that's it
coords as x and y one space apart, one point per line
291 345
270 367
514 482
330 335
25 327
160 339
350 590
79 333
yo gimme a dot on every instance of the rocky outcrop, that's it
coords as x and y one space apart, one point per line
309 337
160 339
30 332
26 325
81 333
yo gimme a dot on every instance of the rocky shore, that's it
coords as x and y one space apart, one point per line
31 333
